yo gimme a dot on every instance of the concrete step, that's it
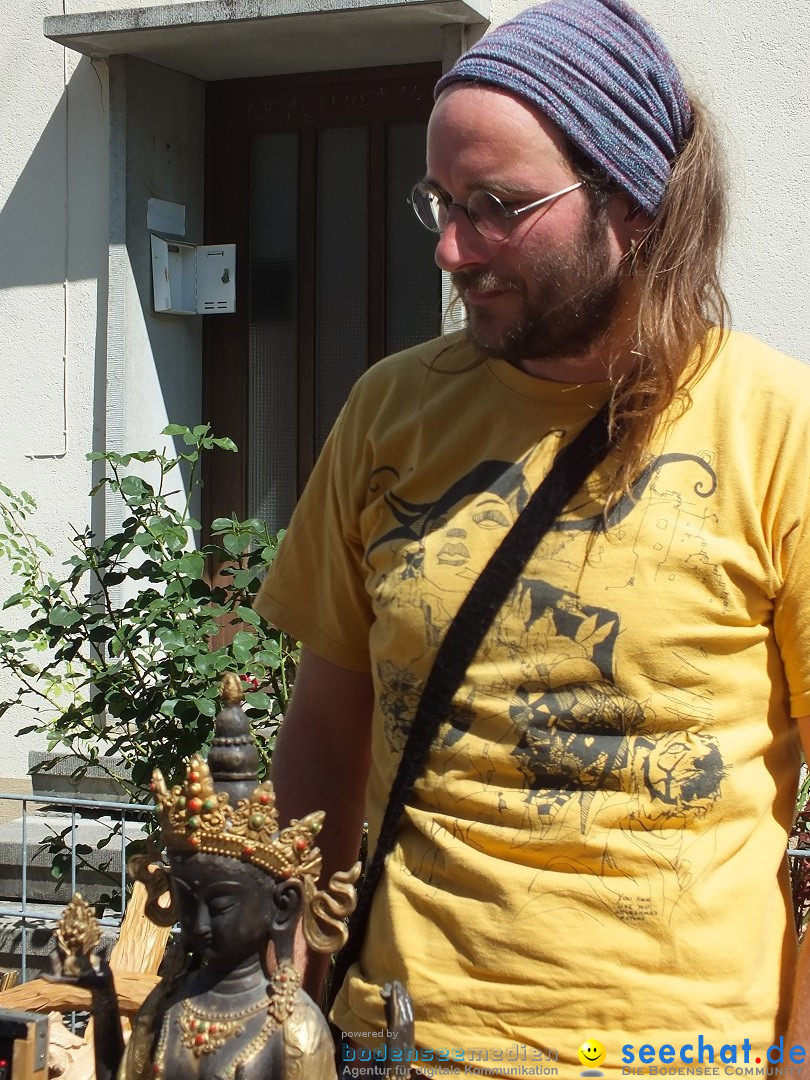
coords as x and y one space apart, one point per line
55 775
98 871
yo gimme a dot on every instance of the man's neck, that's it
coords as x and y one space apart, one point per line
578 369
601 364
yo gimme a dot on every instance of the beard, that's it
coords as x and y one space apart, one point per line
569 300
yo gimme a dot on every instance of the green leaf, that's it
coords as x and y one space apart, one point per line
259 700
206 706
174 429
192 564
248 615
135 488
170 638
241 654
206 664
167 707
254 525
219 525
226 444
63 616
235 544
245 640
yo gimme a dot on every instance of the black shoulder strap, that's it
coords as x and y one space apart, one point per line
571 467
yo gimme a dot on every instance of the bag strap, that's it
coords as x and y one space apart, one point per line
571 467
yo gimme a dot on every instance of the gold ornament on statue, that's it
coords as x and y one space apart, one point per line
194 818
77 934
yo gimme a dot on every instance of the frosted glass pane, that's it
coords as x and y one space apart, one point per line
273 341
413 284
341 283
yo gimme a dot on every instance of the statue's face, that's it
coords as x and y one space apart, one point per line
225 907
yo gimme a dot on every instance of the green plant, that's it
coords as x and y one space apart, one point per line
116 654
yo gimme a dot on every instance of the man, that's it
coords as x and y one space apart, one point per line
594 849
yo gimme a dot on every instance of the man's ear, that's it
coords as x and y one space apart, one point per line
631 222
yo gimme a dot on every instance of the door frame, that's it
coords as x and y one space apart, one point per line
237 111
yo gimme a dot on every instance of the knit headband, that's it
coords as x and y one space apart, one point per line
601 74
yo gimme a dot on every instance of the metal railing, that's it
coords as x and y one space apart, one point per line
32 915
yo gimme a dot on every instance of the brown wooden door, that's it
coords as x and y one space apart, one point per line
309 176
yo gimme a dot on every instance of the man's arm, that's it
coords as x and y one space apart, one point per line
321 762
799 1029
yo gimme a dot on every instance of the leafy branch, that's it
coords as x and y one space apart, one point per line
116 654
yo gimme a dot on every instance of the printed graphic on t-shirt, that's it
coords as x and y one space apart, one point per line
553 741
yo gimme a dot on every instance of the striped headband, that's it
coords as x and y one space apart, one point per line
603 75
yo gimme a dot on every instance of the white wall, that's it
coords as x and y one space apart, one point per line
53 256
165 140
59 395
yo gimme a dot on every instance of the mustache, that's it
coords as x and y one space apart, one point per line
484 281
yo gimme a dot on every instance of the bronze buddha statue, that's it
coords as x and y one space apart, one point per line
239 884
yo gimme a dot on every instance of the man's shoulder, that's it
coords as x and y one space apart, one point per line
743 356
447 354
750 376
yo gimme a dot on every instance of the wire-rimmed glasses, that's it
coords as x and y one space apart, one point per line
486 212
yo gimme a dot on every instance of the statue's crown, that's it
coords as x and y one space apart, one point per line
196 818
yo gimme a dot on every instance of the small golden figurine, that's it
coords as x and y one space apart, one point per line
238 883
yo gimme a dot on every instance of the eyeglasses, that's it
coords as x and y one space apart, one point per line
486 212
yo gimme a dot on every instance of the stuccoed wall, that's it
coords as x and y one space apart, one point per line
53 257
60 392
164 146
748 63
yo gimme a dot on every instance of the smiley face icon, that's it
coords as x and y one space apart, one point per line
592 1052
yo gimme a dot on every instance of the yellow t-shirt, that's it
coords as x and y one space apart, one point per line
596 848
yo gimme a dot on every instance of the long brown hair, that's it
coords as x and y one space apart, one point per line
679 296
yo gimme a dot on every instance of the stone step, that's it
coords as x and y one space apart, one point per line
98 870
53 775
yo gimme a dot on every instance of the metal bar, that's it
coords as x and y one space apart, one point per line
123 862
45 917
73 852
88 804
23 923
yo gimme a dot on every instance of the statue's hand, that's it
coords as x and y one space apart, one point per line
87 971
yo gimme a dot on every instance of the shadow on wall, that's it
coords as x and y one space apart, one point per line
61 175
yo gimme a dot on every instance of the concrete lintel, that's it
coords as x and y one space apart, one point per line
219 39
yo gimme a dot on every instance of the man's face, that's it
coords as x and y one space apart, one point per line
551 289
